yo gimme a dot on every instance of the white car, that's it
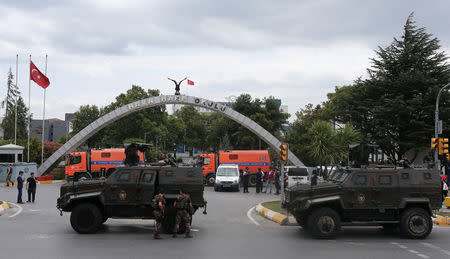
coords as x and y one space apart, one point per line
227 177
297 175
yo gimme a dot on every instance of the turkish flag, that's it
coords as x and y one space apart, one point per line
38 77
190 82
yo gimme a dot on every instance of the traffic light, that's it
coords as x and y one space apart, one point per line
434 143
283 152
443 146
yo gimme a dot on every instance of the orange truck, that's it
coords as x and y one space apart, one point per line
253 159
96 162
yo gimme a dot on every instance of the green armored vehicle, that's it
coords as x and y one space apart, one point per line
390 197
128 193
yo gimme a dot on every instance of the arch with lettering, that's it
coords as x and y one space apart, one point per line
125 110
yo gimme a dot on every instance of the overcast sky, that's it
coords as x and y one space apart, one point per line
297 51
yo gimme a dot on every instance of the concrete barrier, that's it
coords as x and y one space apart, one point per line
442 221
272 215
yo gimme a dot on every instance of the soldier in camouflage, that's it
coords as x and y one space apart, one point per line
159 205
183 205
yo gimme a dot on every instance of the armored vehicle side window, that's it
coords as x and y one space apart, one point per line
385 180
427 176
123 177
405 176
360 180
169 173
147 177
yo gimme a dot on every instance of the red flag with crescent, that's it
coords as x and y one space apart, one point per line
38 77
190 82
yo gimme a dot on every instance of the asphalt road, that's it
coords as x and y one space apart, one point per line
37 231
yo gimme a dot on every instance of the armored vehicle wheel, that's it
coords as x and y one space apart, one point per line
210 180
324 223
415 223
86 218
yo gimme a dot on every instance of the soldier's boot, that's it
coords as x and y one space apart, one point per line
157 236
188 235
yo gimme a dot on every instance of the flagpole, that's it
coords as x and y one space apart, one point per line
43 116
29 112
15 115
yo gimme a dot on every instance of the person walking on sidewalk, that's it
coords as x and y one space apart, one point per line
245 178
19 187
31 187
8 175
269 178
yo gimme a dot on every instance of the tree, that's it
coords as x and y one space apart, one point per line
12 99
82 118
394 106
195 130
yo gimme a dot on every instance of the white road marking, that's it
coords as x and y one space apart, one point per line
31 210
250 216
436 248
17 212
195 230
410 250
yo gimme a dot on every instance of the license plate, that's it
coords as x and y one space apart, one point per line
226 185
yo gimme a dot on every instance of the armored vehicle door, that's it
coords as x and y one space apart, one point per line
386 190
145 192
358 191
120 192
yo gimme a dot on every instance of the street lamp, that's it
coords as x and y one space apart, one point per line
438 127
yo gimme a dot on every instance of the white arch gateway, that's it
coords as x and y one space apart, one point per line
125 110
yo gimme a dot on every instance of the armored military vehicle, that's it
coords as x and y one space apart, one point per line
403 198
128 193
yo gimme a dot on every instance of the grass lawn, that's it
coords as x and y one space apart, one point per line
1 202
274 205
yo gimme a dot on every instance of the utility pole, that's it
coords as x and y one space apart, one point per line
438 128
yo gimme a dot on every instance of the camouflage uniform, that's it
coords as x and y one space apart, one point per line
158 213
183 207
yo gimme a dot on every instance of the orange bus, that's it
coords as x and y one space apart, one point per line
96 162
253 159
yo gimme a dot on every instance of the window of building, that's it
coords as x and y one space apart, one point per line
233 156
19 157
385 180
7 158
360 180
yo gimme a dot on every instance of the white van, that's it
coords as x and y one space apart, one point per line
297 175
227 176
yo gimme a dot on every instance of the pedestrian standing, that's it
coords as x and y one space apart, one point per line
31 187
277 181
245 178
270 176
259 180
8 175
19 187
314 179
159 206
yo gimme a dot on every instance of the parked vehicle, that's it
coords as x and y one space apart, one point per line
297 175
402 198
96 162
253 159
227 177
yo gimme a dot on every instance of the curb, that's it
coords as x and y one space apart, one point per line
47 182
272 215
442 221
4 206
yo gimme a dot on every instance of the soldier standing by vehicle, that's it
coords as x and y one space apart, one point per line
159 206
183 205
259 180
